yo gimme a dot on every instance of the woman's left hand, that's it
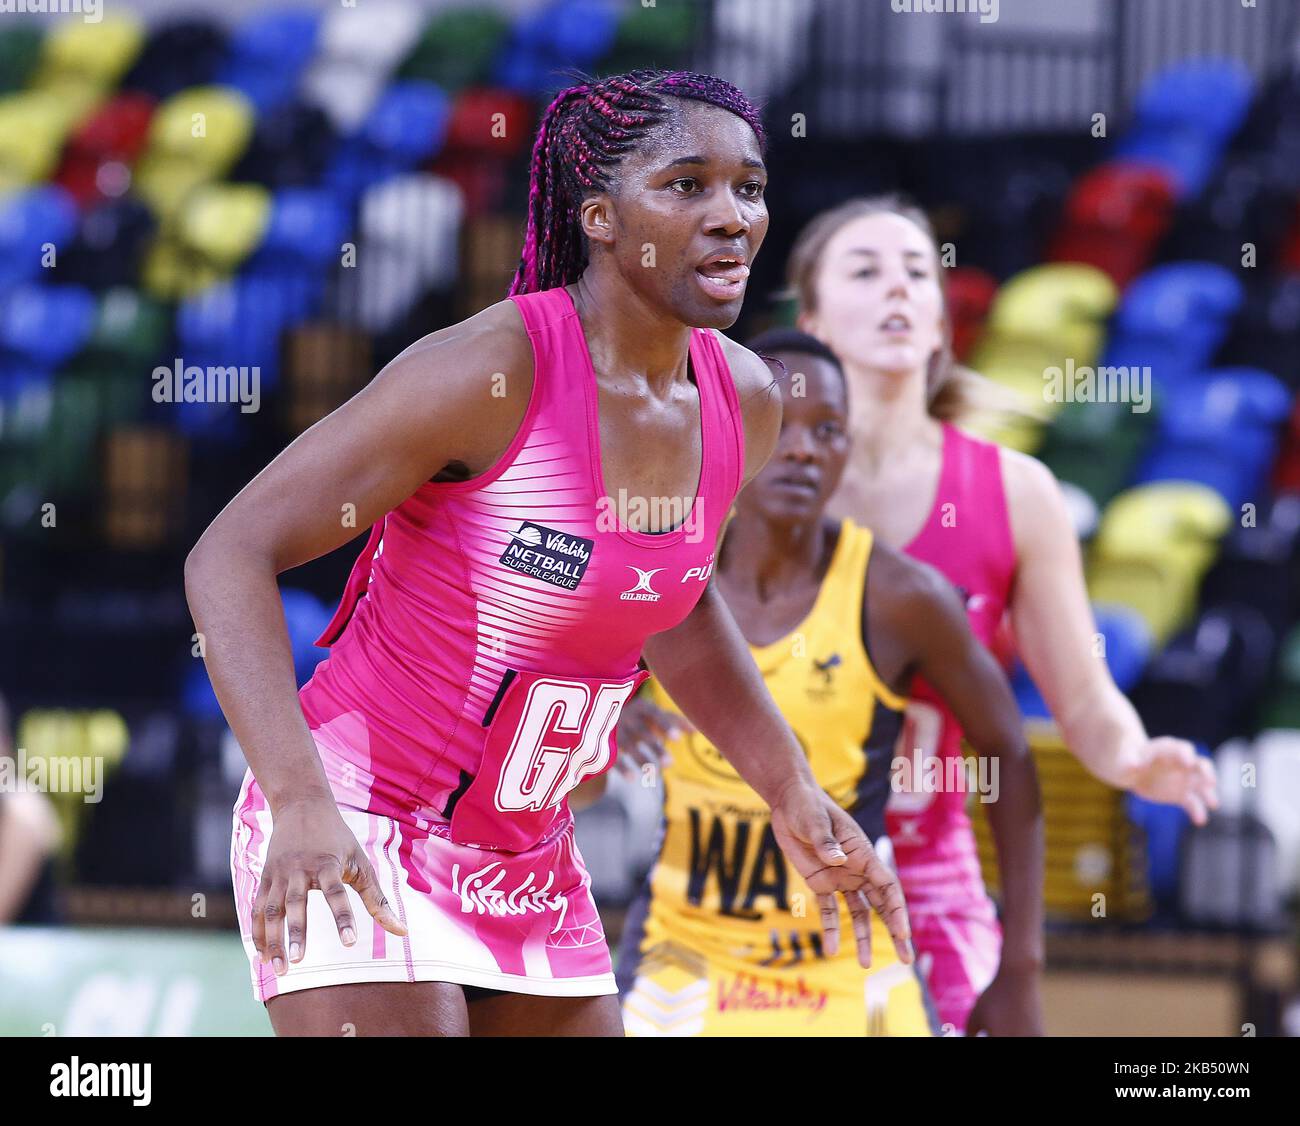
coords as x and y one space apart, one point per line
832 854
1169 770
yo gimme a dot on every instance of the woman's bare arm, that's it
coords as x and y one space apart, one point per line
454 398
433 405
1056 635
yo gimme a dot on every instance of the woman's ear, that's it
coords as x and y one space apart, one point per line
596 218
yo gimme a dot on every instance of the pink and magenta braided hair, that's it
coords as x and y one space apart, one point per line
583 136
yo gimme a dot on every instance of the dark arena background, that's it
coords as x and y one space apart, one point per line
290 195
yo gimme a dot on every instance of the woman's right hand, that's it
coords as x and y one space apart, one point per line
643 729
311 847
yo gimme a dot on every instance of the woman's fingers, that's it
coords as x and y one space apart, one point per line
860 911
295 914
361 876
259 915
270 915
830 916
885 894
330 879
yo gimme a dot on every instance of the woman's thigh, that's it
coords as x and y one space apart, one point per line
521 1014
383 1008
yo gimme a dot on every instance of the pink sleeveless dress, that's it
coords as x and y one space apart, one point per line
955 929
487 639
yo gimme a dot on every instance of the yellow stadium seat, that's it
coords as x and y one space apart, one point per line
1153 546
224 223
209 126
33 125
1152 520
1064 305
164 183
1028 353
97 52
1017 432
76 96
172 272
1163 592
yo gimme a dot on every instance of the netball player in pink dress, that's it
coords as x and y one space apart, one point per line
496 621
868 282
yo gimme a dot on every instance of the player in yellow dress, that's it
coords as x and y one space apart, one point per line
725 938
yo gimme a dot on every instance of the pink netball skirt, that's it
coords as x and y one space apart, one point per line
522 922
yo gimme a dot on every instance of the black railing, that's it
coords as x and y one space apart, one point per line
860 68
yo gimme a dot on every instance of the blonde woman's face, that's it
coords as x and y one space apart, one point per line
879 302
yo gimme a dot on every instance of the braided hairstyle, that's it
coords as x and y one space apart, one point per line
583 136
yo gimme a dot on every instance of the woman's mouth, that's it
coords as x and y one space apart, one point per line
724 279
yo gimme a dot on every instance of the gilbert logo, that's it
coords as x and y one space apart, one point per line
643 591
480 894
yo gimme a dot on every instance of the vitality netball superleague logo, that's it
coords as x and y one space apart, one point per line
554 557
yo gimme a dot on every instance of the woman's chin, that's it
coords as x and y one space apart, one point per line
899 361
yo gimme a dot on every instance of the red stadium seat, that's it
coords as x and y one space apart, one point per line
116 132
473 117
1114 218
970 295
1286 471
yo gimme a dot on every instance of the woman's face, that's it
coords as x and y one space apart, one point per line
879 302
688 197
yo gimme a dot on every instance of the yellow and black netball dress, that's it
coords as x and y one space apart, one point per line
726 940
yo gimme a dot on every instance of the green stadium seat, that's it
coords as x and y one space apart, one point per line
457 48
20 52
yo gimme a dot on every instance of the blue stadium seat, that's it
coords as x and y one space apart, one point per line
29 220
573 32
46 325
407 125
307 226
267 54
1185 118
1128 643
1209 95
306 617
1028 699
1221 429
239 322
1163 826
1175 317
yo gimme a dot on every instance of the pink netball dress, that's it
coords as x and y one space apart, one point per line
487 639
954 925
